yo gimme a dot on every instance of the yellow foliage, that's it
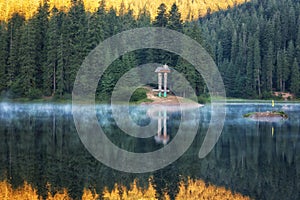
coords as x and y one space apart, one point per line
193 189
62 195
197 189
24 193
189 9
27 192
89 195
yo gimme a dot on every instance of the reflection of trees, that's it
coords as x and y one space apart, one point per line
166 181
250 164
246 159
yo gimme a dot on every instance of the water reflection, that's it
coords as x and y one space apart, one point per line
162 138
40 145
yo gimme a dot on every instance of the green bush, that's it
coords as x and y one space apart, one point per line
203 99
138 95
267 95
34 93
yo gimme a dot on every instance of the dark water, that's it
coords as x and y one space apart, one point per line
39 144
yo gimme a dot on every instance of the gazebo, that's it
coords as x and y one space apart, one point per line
164 70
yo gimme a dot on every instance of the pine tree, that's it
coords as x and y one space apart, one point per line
234 47
219 54
76 36
64 55
26 79
290 56
269 65
292 23
257 67
277 32
279 70
298 44
127 21
295 78
96 27
144 18
113 23
161 20
53 46
128 62
290 53
61 63
3 55
226 35
250 86
174 19
282 73
14 38
40 23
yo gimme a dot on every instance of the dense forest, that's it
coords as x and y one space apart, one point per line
189 9
256 46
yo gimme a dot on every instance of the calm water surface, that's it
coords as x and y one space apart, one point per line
39 144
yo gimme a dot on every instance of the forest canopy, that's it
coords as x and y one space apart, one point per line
256 46
189 9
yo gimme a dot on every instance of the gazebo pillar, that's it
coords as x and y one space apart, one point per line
165 84
159 84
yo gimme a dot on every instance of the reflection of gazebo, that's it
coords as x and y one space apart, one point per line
162 138
162 70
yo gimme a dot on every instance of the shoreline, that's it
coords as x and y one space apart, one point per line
230 101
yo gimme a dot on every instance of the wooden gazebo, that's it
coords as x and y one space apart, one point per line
164 70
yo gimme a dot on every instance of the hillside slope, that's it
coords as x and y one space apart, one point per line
189 9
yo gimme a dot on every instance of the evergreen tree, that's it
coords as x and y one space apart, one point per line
226 34
279 70
269 65
234 47
96 27
174 19
219 55
64 52
277 32
257 67
113 23
27 79
76 37
14 38
229 78
144 18
3 55
194 77
53 46
40 23
250 84
282 70
161 20
290 53
61 65
128 21
295 78
298 44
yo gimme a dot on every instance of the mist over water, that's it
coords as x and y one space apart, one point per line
39 144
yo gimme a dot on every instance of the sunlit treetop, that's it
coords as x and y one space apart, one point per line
190 9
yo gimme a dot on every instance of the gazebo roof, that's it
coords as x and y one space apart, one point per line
163 69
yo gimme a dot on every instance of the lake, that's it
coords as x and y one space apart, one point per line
39 145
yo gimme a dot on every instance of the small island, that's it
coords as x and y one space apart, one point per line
267 116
